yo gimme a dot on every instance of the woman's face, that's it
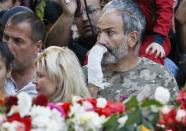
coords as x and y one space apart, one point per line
45 85
3 72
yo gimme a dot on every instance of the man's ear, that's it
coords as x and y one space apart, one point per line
132 39
38 46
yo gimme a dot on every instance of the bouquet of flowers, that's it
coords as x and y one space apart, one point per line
22 113
173 117
90 113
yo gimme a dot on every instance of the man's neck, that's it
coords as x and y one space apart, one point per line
124 64
23 77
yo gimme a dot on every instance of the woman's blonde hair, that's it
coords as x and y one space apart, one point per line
62 65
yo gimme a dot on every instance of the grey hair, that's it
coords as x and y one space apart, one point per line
132 16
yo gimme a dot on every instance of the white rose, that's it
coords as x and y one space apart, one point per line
24 103
13 126
38 129
89 120
87 116
162 95
39 110
97 122
76 109
101 102
55 115
87 106
40 116
7 127
180 114
54 126
57 121
40 121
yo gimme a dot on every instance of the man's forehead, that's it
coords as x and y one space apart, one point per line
23 25
95 3
109 19
18 29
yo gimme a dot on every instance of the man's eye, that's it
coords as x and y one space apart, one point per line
91 10
110 33
18 40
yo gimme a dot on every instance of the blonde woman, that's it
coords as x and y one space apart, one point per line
59 75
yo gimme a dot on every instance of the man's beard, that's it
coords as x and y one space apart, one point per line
114 55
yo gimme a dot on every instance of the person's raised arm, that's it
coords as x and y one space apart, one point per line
59 34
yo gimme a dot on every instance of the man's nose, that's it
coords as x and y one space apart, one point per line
101 39
84 15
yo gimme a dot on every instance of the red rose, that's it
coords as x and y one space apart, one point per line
10 101
66 107
116 107
40 100
103 111
169 119
111 108
26 120
93 101
181 98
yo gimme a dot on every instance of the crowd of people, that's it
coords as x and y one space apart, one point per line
112 49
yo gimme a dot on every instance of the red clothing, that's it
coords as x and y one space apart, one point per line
158 14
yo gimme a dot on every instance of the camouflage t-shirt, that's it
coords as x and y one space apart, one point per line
141 81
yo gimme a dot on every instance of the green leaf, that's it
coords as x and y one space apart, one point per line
134 118
138 128
132 102
40 9
150 116
148 124
111 124
127 128
150 102
3 109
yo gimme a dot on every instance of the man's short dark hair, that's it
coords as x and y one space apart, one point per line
38 30
12 11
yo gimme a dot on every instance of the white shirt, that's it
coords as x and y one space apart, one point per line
11 88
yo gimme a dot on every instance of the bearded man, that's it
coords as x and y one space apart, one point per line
114 68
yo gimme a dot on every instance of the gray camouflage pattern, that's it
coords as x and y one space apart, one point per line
141 81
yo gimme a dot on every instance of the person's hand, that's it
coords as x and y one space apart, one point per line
95 74
69 6
155 48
